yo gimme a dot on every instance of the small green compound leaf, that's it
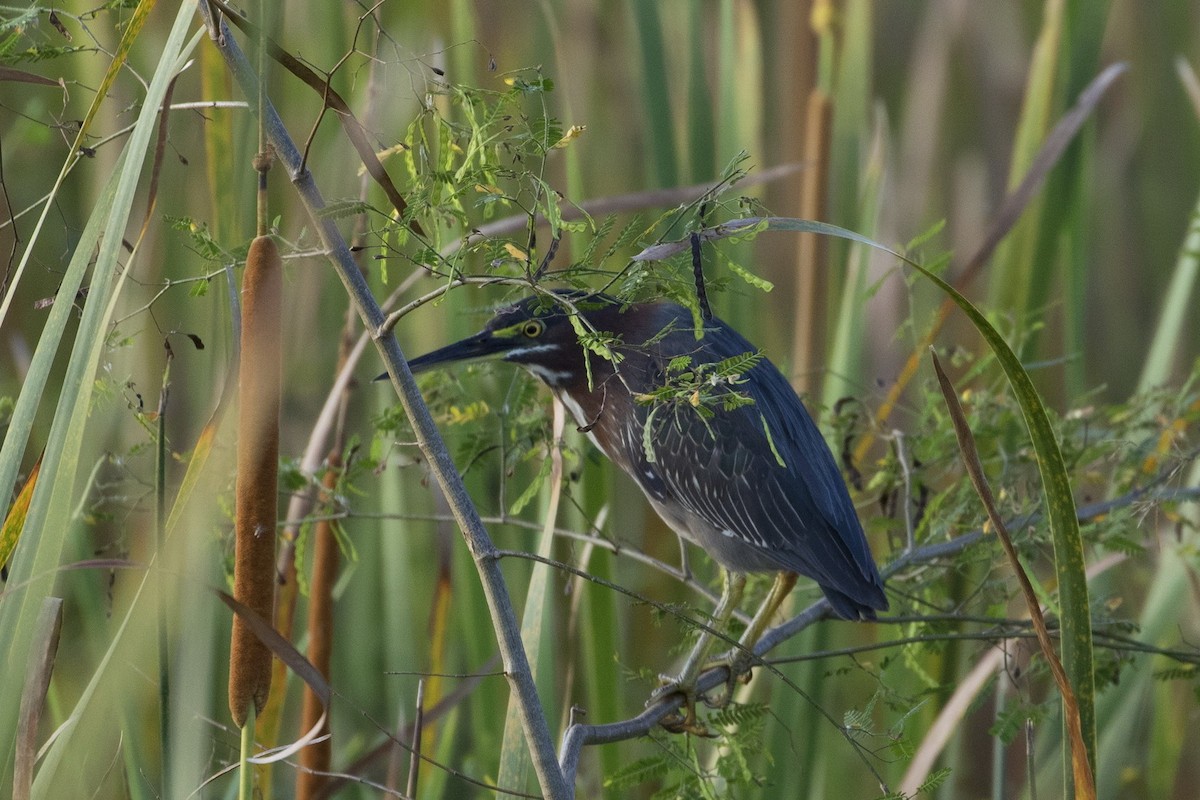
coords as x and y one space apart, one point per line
648 436
531 491
749 277
679 363
771 441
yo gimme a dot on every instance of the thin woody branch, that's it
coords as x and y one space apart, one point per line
516 663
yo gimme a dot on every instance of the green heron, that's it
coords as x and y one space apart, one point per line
747 477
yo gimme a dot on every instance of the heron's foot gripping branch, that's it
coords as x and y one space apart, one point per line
687 722
738 667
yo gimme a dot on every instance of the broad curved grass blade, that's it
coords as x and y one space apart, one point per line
1083 780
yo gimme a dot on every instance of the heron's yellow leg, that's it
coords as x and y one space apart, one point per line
685 682
739 659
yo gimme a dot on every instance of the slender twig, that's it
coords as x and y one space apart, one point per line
329 97
516 663
992 636
414 764
634 201
160 527
906 474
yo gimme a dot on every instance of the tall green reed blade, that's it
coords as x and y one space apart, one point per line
21 423
701 141
656 100
516 764
17 436
731 86
851 93
39 553
1079 763
1065 236
39 550
1012 270
845 360
1052 243
1168 334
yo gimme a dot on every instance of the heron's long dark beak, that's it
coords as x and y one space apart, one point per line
474 348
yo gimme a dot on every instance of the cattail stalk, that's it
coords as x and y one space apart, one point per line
257 472
810 317
315 759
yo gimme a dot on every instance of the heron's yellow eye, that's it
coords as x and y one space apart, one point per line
533 328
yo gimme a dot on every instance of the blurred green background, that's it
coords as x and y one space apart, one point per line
934 112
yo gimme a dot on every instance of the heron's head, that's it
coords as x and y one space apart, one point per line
537 333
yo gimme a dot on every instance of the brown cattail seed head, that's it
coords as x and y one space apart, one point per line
257 472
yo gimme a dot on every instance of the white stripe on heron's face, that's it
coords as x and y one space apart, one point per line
575 409
580 418
525 350
551 377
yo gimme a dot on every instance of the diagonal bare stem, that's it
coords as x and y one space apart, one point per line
516 662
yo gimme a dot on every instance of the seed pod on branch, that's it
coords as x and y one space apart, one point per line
257 472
